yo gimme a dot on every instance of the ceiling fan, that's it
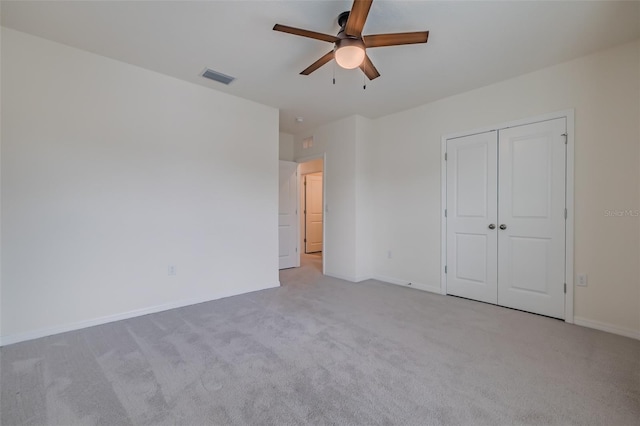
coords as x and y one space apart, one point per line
350 45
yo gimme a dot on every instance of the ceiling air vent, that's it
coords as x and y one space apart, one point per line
217 76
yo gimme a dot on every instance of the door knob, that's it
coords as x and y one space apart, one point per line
492 226
503 226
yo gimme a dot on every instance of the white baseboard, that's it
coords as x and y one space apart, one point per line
390 280
49 331
610 328
404 283
351 278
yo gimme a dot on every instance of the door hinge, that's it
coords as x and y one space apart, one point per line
296 249
445 156
565 288
305 240
566 214
566 138
445 212
445 269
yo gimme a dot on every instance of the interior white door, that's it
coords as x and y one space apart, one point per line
472 217
288 216
531 248
313 213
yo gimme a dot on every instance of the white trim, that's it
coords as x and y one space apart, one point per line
350 278
609 328
389 280
569 115
324 212
443 222
569 228
410 284
513 123
49 331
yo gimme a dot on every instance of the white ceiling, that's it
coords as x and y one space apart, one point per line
471 44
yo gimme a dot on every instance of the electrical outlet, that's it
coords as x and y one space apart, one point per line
171 270
582 280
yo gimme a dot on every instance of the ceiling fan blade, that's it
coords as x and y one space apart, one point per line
317 64
395 39
369 69
357 17
305 33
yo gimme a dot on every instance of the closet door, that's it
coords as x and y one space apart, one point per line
472 217
531 211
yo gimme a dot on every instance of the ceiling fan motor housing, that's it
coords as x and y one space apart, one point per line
349 41
349 50
343 18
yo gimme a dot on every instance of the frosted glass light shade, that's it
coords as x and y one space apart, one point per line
349 53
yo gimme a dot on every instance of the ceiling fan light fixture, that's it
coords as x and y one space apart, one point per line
349 50
349 53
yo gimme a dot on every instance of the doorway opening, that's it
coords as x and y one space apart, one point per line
312 207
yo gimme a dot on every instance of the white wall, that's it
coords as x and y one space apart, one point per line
285 146
364 198
348 191
337 142
1 182
603 88
110 173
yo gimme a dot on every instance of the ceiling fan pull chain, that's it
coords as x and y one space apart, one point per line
364 75
334 73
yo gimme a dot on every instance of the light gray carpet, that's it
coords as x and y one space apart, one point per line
324 351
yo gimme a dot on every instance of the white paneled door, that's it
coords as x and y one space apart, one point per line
472 204
288 216
313 213
506 217
531 209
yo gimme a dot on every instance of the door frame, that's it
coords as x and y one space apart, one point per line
324 200
569 115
